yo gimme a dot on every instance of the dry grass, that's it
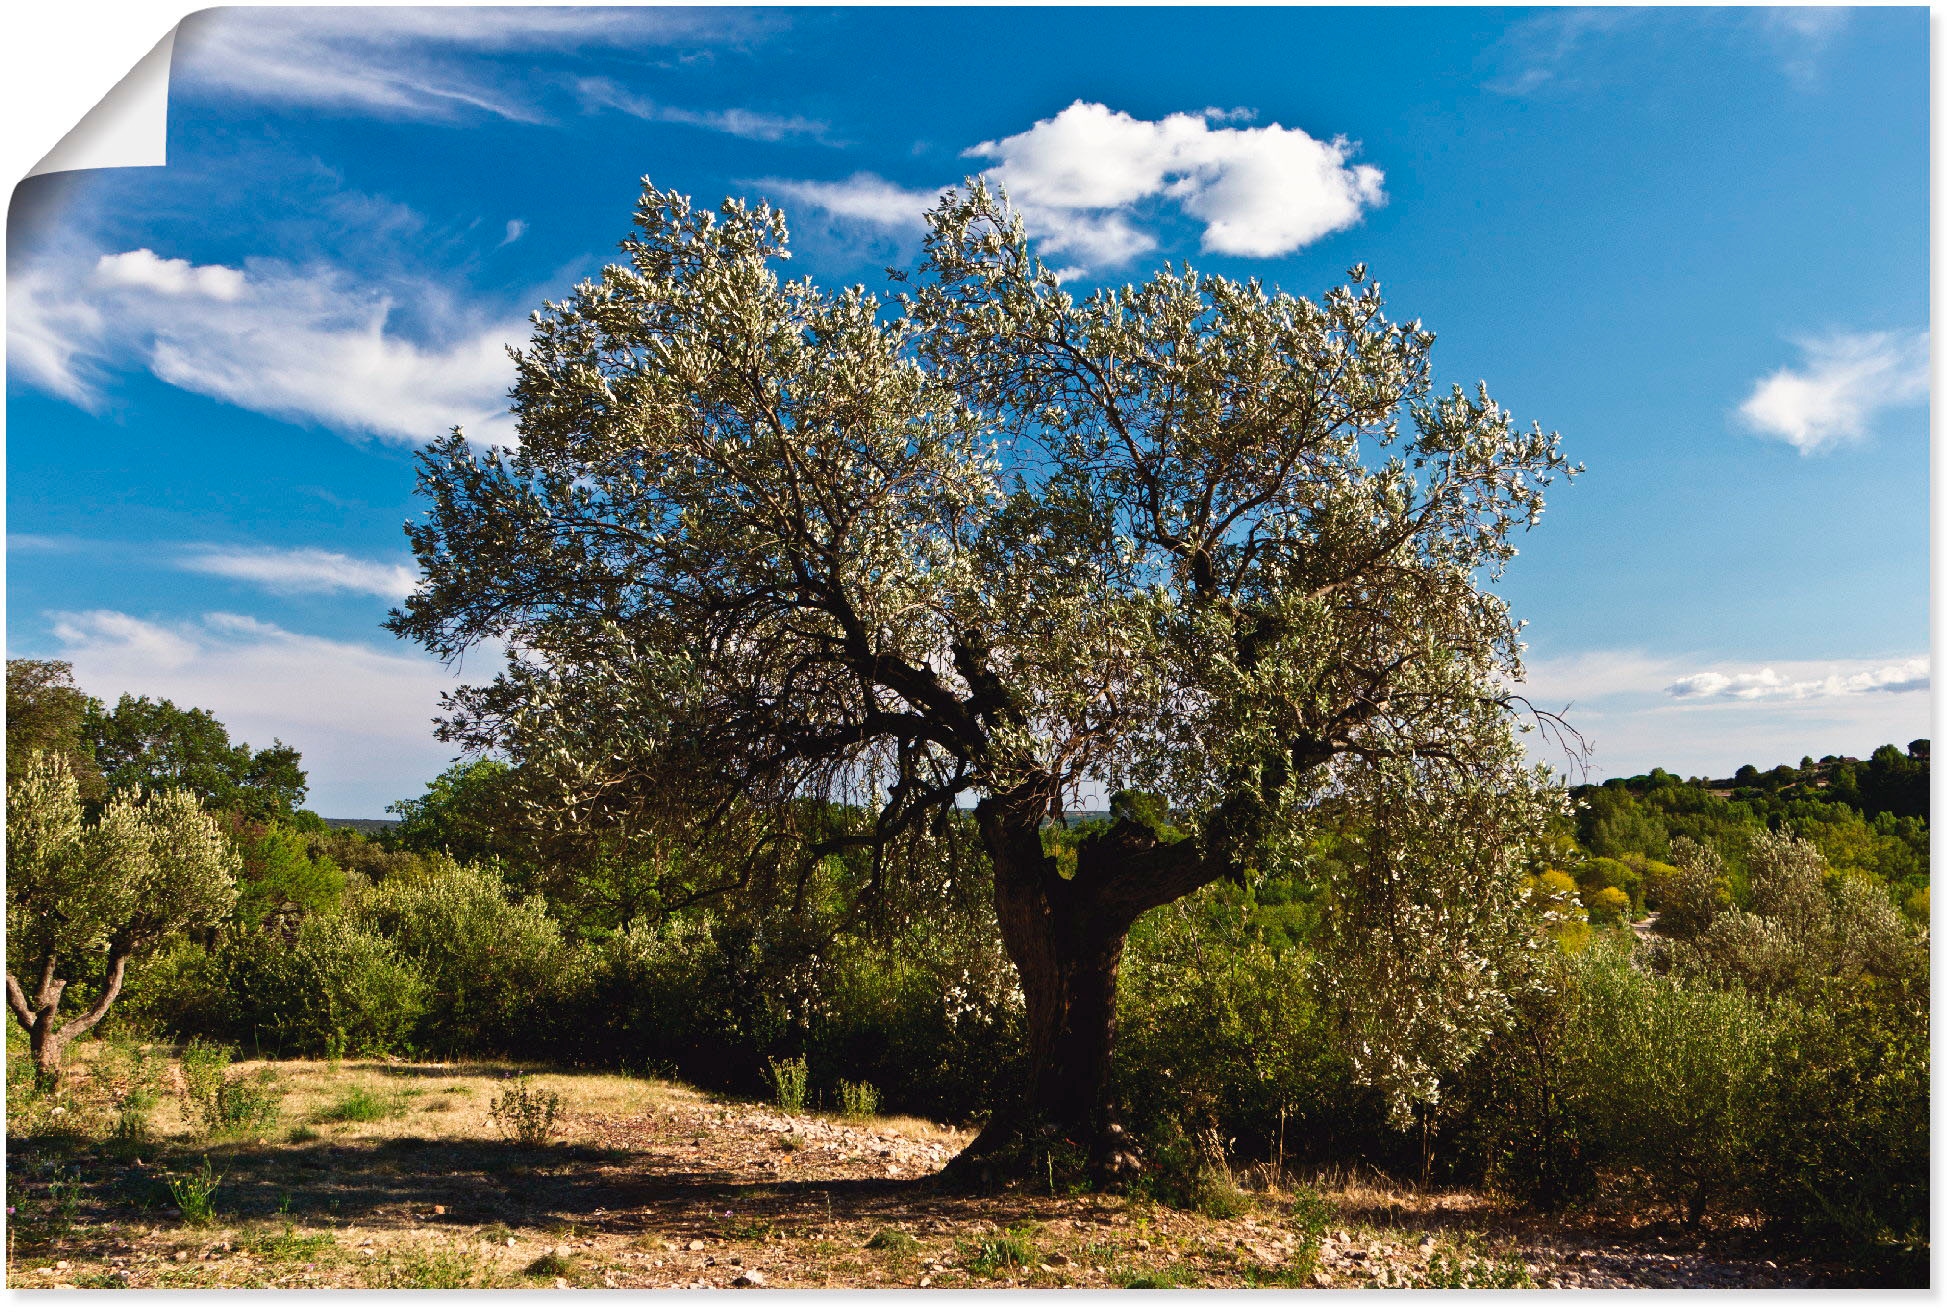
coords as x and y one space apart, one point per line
652 1184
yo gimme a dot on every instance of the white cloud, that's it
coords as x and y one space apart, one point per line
1846 380
360 715
304 570
1752 685
1259 191
516 229
864 196
310 345
1639 710
413 62
1800 36
144 268
1078 176
753 125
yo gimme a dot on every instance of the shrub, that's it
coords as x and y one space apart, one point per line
333 987
858 1099
500 977
525 1114
790 1079
1606 906
223 1102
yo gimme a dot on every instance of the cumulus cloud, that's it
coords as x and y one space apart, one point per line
361 715
304 570
415 62
1767 683
312 345
753 125
1845 381
1085 178
1259 191
145 269
864 196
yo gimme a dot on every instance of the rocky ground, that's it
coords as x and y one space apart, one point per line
647 1184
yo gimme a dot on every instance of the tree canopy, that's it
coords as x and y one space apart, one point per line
92 896
152 744
1193 538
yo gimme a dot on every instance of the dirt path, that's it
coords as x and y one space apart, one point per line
649 1184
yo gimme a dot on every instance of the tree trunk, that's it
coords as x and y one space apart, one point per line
47 1040
1065 936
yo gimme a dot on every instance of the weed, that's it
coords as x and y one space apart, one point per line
790 1142
1312 1213
195 1194
289 1245
859 1099
1450 1269
790 1079
303 1134
497 1233
362 1104
221 1102
1000 1252
438 1105
102 1280
894 1243
446 1268
1173 1276
525 1114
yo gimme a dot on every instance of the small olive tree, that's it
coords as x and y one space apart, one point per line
79 894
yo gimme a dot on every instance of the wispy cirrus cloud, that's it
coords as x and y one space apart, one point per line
302 570
863 196
314 344
426 63
1562 50
361 714
753 125
1085 179
1846 380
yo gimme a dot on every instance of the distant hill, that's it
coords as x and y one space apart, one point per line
370 828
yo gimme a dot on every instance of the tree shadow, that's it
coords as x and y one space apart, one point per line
410 1182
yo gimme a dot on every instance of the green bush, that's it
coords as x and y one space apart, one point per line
221 1101
858 1098
525 1114
790 1079
500 977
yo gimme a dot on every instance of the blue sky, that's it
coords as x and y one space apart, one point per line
1693 241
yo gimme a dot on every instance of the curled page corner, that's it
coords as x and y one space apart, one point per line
128 128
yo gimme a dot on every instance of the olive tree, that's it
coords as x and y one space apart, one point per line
984 545
91 897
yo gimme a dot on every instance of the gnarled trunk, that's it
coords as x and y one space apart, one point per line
47 1040
1065 936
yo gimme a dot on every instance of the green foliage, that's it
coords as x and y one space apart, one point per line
280 877
466 813
86 897
499 974
363 1104
993 1255
790 1079
857 1098
195 1194
223 1102
46 714
525 1114
151 746
896 1244
333 985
